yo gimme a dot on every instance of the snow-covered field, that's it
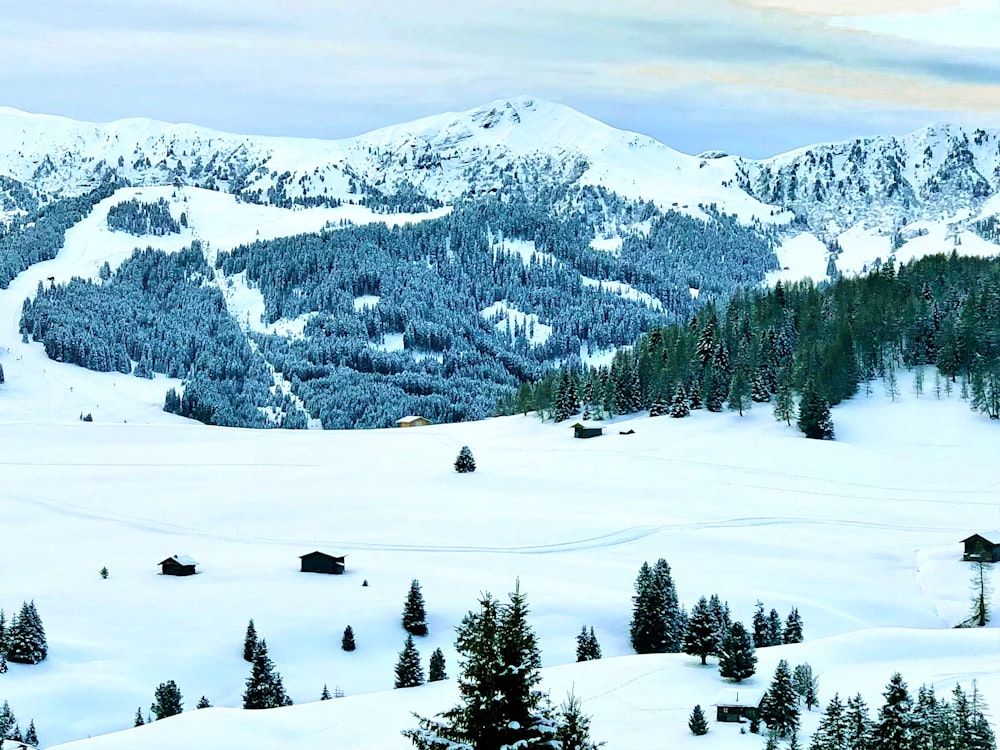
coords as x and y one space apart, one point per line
862 535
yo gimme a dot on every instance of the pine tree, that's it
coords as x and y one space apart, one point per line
582 645
679 406
723 620
139 721
250 643
347 642
929 725
702 637
761 636
167 700
465 463
7 720
893 730
26 642
697 722
325 695
573 731
203 702
780 707
409 672
647 630
793 627
759 392
982 594
858 725
738 396
775 630
784 403
436 667
499 674
414 615
737 660
3 663
265 688
814 415
831 734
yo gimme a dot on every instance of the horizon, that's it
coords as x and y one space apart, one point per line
751 77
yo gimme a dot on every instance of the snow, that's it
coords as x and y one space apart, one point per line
391 342
365 301
510 317
627 291
607 244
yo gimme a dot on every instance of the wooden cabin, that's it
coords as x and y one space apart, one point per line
320 562
585 430
413 421
178 565
978 547
736 704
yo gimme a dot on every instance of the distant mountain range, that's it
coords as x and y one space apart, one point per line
536 235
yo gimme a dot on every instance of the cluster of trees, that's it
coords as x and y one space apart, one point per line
141 218
587 647
661 625
39 234
10 730
821 342
500 704
157 311
409 672
22 640
903 723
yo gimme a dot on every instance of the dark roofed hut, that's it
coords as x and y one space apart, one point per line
320 562
178 565
735 704
978 547
585 430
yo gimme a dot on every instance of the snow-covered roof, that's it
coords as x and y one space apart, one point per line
411 418
745 697
990 535
181 560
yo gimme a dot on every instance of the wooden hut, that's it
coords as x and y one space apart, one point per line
178 565
320 562
736 704
413 421
586 430
978 547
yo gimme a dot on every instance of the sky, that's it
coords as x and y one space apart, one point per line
754 77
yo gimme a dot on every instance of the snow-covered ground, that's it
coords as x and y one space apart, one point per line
862 535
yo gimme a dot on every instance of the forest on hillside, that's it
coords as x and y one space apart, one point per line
822 342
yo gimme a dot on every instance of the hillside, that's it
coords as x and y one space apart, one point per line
861 535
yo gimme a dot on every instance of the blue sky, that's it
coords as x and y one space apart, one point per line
749 76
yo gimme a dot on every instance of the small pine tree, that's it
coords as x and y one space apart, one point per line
265 688
697 722
414 614
347 642
679 405
103 572
587 647
436 667
814 415
26 643
793 627
409 672
593 647
573 732
139 721
250 643
167 700
893 729
982 594
737 660
775 630
3 663
780 707
203 702
465 463
325 695
761 636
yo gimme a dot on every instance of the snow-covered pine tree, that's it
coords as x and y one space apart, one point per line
780 707
465 463
758 389
784 402
593 647
139 721
722 617
414 614
587 647
167 700
814 415
806 684
761 636
347 642
893 729
647 631
325 695
737 660
7 720
702 637
931 724
697 722
3 663
831 734
793 627
436 667
250 642
674 619
26 642
775 629
203 702
409 672
858 723
265 688
679 405
573 732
